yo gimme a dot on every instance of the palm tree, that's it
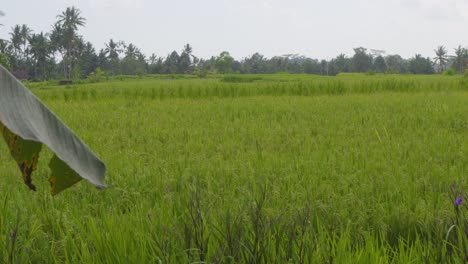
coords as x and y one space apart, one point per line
152 59
69 21
460 58
56 38
16 40
113 49
441 57
19 44
132 51
188 49
25 34
40 50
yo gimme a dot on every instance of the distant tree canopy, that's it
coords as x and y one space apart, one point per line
361 61
64 53
420 65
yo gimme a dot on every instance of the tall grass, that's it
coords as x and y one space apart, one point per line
254 85
287 169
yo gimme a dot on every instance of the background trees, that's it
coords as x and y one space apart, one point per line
396 64
224 62
67 38
40 54
420 65
63 52
460 59
380 65
3 49
361 61
441 58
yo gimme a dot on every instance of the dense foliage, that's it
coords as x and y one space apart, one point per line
63 53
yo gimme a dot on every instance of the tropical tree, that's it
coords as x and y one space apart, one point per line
40 53
133 65
396 64
342 64
420 65
172 63
56 39
224 62
69 21
155 64
134 61
88 61
460 59
113 49
441 58
16 40
152 59
380 65
19 45
279 63
185 60
25 34
361 61
324 70
309 66
131 51
255 64
3 49
103 61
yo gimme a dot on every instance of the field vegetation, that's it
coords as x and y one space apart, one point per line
252 169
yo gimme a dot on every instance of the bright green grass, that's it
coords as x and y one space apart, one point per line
289 168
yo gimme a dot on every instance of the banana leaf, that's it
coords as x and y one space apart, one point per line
26 123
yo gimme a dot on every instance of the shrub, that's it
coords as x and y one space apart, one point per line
371 73
201 72
97 76
4 61
449 72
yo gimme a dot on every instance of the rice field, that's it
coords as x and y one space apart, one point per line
252 169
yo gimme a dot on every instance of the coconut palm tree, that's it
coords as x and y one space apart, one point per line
40 50
113 49
188 49
25 34
132 51
152 59
460 59
16 40
71 18
19 44
441 57
69 21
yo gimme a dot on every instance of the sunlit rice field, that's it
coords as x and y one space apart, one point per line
251 169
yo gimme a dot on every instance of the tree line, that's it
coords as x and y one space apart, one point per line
64 53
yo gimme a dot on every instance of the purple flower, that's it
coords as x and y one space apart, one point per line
458 201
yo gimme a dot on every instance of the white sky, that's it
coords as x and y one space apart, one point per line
314 28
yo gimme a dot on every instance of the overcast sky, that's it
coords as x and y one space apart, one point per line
317 29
